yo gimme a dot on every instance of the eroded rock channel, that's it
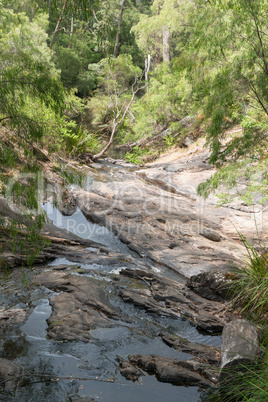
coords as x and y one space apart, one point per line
136 319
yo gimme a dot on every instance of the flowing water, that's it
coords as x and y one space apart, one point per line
88 368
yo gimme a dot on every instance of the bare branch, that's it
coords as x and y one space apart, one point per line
125 109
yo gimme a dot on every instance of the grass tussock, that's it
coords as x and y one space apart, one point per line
250 286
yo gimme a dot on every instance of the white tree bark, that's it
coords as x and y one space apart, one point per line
147 69
166 45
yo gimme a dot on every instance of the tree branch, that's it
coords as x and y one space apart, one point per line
117 122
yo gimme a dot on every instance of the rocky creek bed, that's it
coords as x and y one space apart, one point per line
129 310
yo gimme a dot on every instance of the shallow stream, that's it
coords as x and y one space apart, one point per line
88 368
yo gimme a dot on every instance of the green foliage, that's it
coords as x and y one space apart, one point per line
250 286
246 179
167 15
80 141
166 102
135 156
70 65
169 140
86 83
27 72
21 235
247 384
115 83
231 41
77 8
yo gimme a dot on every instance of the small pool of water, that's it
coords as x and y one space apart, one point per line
80 226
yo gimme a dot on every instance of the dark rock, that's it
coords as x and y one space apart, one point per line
82 306
63 267
142 299
208 322
240 347
175 371
9 374
212 285
166 297
203 352
77 398
173 245
210 234
127 370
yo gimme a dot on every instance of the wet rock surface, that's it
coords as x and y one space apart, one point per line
128 370
157 213
165 297
203 352
77 398
82 305
9 375
176 371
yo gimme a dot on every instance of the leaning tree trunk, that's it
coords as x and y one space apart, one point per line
58 25
116 46
117 122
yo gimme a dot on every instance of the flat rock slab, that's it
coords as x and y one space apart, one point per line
171 229
175 371
12 316
82 305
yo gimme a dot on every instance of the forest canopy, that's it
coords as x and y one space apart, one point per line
69 69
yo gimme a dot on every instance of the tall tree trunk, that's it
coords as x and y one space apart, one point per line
147 69
166 45
116 46
71 33
58 25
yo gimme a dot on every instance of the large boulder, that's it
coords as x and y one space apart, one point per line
240 348
212 285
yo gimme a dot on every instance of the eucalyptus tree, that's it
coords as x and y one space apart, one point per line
154 32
